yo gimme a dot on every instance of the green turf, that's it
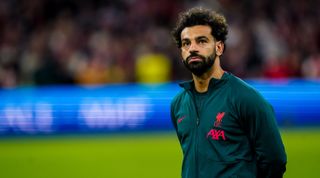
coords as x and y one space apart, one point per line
132 156
142 155
303 152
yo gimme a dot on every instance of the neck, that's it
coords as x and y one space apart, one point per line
202 82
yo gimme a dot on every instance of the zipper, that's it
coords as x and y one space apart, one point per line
196 135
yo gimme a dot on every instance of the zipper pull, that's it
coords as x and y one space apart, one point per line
198 121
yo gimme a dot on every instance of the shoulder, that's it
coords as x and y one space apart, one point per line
241 85
245 93
250 103
242 88
178 98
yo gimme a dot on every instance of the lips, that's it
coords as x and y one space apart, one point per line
195 59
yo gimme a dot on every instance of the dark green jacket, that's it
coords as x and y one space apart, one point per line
229 131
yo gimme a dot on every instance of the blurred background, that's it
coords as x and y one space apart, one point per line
100 41
85 86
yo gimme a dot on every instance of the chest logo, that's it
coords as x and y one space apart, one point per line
216 134
219 118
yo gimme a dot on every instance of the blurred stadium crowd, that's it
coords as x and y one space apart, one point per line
103 41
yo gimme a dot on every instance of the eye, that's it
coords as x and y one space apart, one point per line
185 43
202 41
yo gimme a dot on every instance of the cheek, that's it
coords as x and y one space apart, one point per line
210 51
184 54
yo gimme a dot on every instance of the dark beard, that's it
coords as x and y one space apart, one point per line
201 67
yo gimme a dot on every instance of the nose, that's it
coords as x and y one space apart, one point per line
193 48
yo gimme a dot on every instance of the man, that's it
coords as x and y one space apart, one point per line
225 127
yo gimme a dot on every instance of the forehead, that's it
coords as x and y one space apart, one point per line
196 31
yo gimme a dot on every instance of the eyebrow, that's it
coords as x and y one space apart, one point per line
197 38
201 37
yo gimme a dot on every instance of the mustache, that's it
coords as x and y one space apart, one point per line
195 55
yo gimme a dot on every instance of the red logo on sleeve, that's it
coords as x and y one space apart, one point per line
181 119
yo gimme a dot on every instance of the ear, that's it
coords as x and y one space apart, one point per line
219 48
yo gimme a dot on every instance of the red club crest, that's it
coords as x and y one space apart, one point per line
219 117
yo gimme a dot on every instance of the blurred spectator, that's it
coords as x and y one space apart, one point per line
97 42
152 67
311 67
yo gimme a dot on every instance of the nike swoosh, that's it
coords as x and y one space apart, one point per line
181 119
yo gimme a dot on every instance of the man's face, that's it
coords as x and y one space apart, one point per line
198 49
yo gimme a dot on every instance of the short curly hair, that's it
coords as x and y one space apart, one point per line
201 16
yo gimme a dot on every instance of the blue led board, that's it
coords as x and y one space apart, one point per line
133 107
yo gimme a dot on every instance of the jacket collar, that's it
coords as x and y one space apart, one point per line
188 85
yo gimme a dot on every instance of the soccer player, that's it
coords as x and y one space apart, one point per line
225 127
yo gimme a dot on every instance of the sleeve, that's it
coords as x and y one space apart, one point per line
173 119
260 125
